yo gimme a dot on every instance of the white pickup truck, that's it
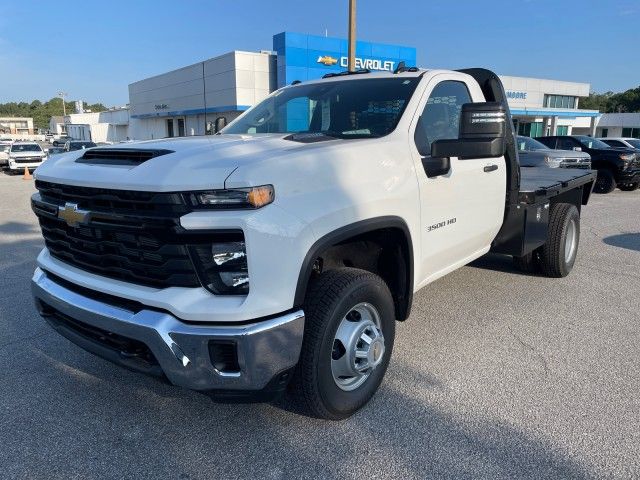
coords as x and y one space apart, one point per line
278 254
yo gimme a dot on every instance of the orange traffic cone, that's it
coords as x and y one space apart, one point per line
27 174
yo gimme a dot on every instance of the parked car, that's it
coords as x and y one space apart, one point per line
532 153
616 166
622 142
5 147
55 150
25 154
289 258
74 145
60 141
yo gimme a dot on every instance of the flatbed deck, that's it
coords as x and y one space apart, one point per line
537 183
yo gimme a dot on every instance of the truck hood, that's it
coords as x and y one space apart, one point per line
557 154
193 163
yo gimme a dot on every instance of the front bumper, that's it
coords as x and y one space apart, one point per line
20 166
267 350
629 176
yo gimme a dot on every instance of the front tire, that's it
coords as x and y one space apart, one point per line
559 252
629 187
605 182
347 345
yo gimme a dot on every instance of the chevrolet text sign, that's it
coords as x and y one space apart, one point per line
369 63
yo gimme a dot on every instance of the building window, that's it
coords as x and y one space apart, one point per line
605 132
533 129
181 127
170 127
562 130
631 132
560 101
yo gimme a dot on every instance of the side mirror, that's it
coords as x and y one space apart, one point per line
220 123
483 129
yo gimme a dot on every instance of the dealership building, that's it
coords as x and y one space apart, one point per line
183 102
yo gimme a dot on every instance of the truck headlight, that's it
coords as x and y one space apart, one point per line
222 265
552 162
627 157
253 197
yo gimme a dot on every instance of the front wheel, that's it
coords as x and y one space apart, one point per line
348 340
629 187
605 182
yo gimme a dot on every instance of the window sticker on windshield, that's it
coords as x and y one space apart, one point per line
406 82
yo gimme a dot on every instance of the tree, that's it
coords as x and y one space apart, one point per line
609 102
41 112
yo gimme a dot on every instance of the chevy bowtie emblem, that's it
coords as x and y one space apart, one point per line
72 215
327 60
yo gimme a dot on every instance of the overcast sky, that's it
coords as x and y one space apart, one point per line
92 50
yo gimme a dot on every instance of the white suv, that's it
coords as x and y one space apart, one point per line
25 154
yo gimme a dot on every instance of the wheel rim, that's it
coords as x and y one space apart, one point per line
571 241
358 347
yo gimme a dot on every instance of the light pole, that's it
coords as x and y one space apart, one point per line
352 35
64 108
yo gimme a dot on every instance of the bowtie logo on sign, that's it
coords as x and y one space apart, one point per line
368 63
327 60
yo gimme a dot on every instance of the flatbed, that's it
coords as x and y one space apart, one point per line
538 183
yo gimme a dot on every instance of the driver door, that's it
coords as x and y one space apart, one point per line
461 210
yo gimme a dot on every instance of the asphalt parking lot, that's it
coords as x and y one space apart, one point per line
495 375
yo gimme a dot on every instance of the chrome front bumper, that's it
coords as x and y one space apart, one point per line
265 349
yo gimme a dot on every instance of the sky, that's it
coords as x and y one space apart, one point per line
93 49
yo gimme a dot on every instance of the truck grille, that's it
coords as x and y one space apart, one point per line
131 236
27 160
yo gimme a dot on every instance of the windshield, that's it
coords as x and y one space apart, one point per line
591 142
345 109
634 142
25 147
526 143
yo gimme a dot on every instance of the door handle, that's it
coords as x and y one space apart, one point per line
490 168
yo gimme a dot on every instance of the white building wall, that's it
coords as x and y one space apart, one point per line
536 88
108 126
224 85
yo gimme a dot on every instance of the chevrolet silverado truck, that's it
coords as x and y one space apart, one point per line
277 255
617 167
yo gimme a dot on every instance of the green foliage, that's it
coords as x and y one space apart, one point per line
609 102
42 112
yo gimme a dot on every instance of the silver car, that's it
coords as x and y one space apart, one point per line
532 153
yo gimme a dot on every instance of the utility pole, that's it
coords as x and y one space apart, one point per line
352 35
64 107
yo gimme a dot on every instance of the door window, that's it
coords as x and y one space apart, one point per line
181 127
170 127
440 119
566 144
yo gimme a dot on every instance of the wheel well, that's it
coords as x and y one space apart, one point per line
385 251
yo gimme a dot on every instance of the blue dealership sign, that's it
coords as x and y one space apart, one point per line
307 57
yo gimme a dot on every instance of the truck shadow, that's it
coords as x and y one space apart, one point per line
399 434
18 228
629 241
498 263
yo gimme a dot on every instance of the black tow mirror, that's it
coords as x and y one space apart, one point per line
436 166
483 128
